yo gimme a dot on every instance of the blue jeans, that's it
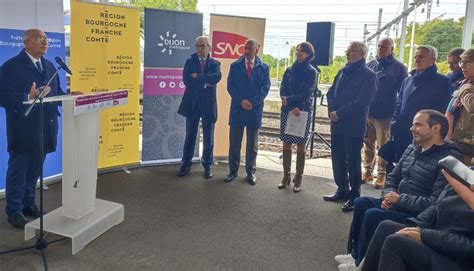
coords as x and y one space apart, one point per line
22 174
367 216
192 128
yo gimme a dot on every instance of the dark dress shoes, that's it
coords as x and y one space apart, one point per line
183 171
348 206
229 178
32 212
252 179
338 197
208 173
17 220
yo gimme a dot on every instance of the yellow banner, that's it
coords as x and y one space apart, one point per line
105 56
228 35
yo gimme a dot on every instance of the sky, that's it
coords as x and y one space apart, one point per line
286 21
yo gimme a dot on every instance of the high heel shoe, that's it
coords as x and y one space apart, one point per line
296 189
284 182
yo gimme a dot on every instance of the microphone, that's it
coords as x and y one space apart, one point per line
62 65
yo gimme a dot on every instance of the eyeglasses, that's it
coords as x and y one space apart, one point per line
42 39
200 46
351 51
462 62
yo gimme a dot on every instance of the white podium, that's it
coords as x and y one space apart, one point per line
82 217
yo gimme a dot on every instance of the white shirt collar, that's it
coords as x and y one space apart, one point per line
251 61
34 60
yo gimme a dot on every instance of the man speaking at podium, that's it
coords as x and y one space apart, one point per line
22 78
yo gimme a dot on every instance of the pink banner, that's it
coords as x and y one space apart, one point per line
159 82
104 97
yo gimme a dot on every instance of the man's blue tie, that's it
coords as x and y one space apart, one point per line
39 67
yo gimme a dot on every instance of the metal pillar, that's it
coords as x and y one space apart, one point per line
403 32
412 42
468 25
379 24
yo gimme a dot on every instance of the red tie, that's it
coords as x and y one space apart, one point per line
202 65
249 68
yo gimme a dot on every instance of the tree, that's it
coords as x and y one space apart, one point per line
328 73
269 60
187 5
444 35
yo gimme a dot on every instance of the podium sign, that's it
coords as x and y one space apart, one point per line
90 103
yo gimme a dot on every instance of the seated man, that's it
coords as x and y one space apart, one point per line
411 187
443 238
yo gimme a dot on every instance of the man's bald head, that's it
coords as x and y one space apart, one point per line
36 42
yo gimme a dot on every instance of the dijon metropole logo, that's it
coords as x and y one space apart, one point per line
170 42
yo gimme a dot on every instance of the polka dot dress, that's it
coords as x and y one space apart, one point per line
292 138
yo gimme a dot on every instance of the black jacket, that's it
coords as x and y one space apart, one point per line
390 75
447 228
17 75
350 96
298 85
198 99
417 178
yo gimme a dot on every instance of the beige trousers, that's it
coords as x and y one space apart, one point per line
378 133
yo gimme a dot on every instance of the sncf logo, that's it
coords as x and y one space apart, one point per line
227 45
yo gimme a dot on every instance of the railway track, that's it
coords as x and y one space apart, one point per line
270 133
272 115
275 133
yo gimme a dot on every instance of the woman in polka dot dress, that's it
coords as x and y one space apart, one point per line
296 91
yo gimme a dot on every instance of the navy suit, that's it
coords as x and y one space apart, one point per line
350 95
254 89
17 76
199 101
426 90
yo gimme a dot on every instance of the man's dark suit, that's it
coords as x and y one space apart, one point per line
350 96
199 101
17 76
242 87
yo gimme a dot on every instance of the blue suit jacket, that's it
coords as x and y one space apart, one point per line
17 75
254 89
428 90
350 96
198 99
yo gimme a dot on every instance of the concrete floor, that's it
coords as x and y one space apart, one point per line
192 223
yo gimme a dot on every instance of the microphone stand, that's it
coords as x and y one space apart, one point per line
317 93
41 242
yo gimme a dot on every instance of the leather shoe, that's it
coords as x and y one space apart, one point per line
336 197
17 220
229 178
379 182
252 179
208 173
183 171
366 177
32 212
348 206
